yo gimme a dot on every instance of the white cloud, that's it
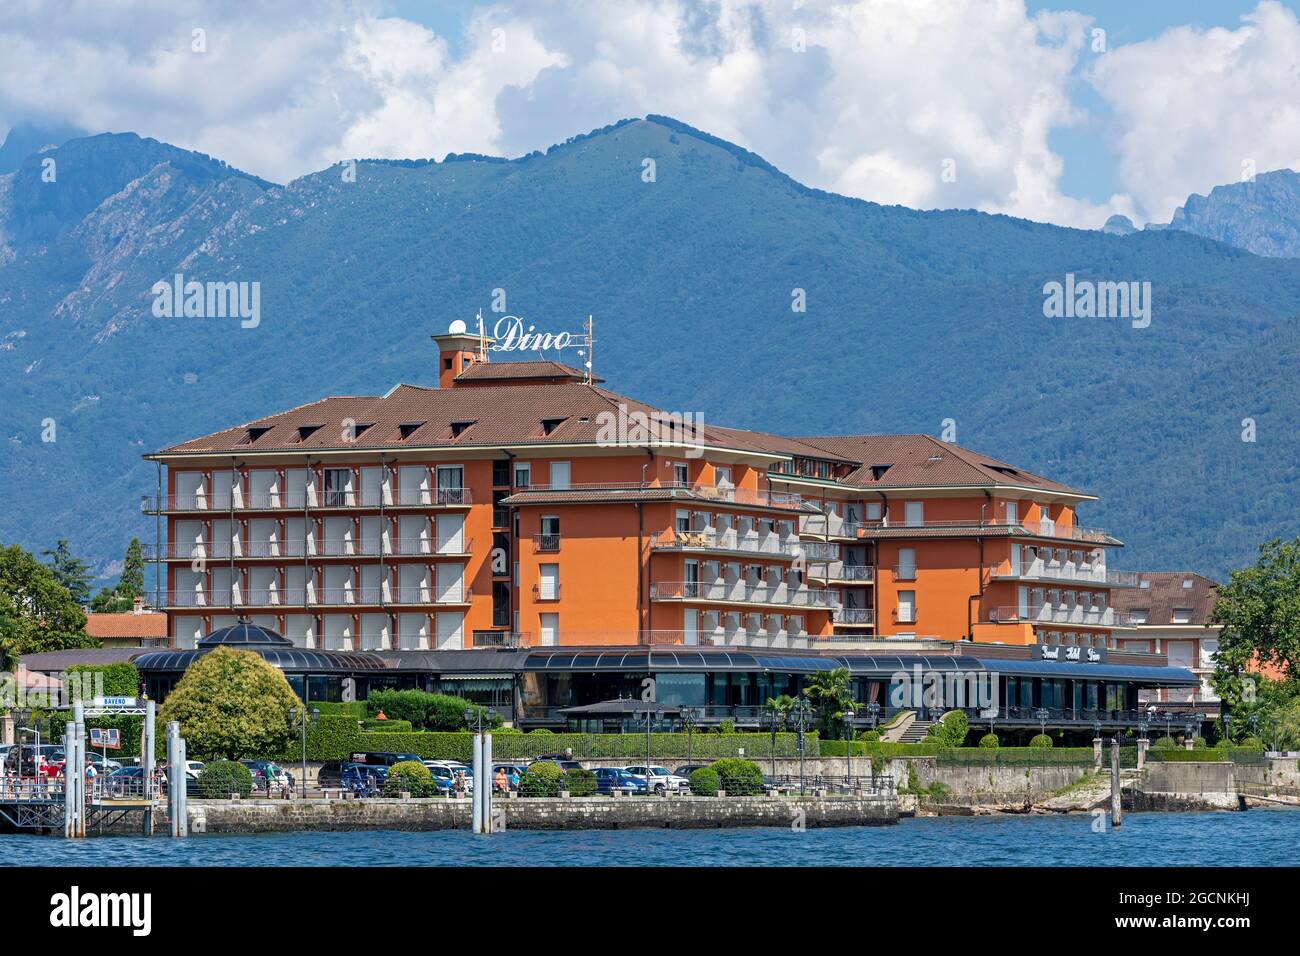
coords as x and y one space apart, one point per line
1195 106
866 97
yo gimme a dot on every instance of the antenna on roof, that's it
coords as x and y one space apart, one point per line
591 341
482 338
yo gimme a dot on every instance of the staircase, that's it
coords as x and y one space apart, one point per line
916 732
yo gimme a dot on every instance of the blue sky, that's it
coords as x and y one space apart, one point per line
998 105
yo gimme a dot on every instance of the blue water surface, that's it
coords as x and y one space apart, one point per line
1256 837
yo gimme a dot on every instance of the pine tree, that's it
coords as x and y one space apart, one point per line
70 571
131 584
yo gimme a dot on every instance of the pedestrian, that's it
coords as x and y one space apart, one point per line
502 781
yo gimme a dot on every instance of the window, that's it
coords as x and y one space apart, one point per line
501 474
253 434
548 585
559 475
337 481
500 512
500 604
1188 584
451 484
681 473
907 564
458 428
914 514
906 607
682 522
550 424
407 429
1182 615
523 474
721 476
305 432
1138 615
1013 512
878 471
873 510
549 539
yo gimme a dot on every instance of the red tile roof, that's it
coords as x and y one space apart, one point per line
1163 592
126 625
544 369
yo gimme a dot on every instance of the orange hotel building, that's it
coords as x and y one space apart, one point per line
491 521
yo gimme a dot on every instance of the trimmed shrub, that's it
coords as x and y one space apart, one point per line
1041 742
219 779
1252 744
119 680
233 704
542 732
356 708
411 777
579 782
951 731
1165 743
704 782
541 780
869 737
990 742
726 726
434 712
1198 743
737 776
372 726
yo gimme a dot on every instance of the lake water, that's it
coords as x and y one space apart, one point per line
1256 837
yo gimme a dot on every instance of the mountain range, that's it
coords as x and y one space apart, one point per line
693 275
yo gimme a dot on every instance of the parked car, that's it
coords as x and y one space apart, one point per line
660 779
445 771
616 778
364 779
564 763
281 779
686 769
384 759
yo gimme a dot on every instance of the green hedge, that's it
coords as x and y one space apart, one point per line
542 780
879 748
120 680
337 737
579 783
370 725
1203 754
355 709
220 778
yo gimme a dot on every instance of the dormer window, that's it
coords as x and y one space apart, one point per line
253 434
550 424
305 432
459 428
878 471
358 429
407 429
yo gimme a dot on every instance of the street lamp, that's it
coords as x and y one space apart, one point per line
1096 729
847 717
690 717
1042 714
873 711
1142 729
315 716
801 711
648 716
772 719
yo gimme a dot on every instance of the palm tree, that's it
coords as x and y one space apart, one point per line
832 693
776 714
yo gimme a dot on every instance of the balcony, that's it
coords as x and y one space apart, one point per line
314 500
502 639
904 572
316 597
845 573
546 542
546 592
328 548
836 527
731 542
1078 615
1069 572
740 592
854 616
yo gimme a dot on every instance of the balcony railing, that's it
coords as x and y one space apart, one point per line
546 592
835 526
710 539
820 551
905 572
315 499
546 542
854 615
502 639
1060 614
849 573
316 597
1069 572
368 547
742 593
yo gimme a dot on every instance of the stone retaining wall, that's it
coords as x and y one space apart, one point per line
577 813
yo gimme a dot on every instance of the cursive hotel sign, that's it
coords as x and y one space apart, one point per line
512 336
1072 652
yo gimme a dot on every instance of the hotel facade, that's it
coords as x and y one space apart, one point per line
522 507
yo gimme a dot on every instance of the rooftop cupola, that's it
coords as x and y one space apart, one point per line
458 349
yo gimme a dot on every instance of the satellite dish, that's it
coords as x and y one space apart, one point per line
456 328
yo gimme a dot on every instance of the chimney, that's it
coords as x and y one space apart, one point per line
458 349
137 606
